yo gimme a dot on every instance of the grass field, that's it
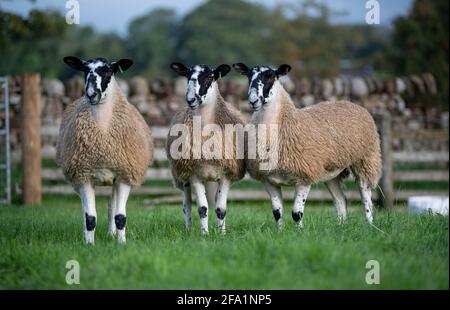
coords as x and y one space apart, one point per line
37 242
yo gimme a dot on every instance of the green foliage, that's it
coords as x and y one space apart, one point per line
31 44
222 31
39 42
420 43
309 43
151 42
228 31
37 242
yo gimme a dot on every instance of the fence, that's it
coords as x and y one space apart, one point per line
422 167
165 193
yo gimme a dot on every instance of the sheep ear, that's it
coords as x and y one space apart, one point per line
75 63
121 65
241 68
283 70
221 71
179 68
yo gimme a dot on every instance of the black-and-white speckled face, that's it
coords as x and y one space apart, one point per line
200 80
97 76
261 80
98 73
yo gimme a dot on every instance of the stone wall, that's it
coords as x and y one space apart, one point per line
411 100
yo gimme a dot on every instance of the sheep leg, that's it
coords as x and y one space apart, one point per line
120 217
334 187
87 194
202 203
277 202
187 206
366 197
221 203
301 193
111 210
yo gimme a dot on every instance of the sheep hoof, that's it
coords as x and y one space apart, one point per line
222 230
89 237
341 220
299 225
279 225
121 236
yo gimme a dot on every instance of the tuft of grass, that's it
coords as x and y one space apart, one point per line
36 242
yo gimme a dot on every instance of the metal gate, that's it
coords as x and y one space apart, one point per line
5 156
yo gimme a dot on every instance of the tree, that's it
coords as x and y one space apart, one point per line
222 31
303 37
420 43
151 42
31 44
39 42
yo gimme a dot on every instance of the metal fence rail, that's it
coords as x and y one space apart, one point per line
5 159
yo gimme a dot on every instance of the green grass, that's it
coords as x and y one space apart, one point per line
37 242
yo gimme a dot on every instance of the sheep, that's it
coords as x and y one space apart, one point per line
323 142
103 140
206 104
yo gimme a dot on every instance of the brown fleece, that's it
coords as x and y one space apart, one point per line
325 137
126 147
184 169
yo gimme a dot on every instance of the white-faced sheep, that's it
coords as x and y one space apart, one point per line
318 143
103 140
207 107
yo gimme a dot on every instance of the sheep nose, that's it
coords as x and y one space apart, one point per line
253 97
92 96
253 104
190 101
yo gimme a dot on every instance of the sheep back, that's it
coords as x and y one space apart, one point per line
322 138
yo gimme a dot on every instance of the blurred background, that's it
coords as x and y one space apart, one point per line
318 38
398 67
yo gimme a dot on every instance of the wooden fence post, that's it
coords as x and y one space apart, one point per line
31 138
387 176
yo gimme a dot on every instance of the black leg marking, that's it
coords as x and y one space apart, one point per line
120 221
276 214
221 213
202 211
90 222
297 216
